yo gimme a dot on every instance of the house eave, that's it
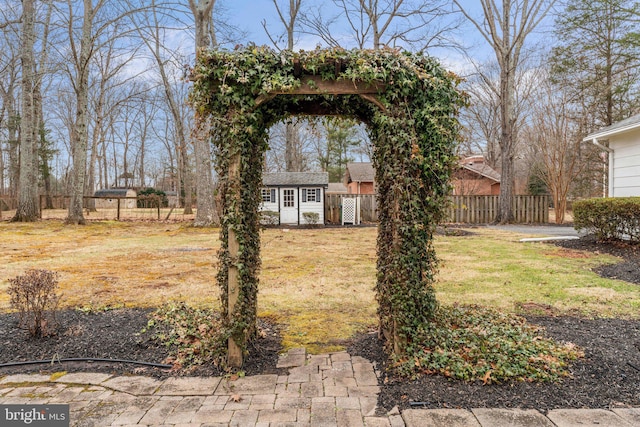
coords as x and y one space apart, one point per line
610 132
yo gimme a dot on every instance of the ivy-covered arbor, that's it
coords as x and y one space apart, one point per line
409 104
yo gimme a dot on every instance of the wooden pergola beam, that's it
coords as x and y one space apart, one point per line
314 85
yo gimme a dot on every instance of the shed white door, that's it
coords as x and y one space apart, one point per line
289 206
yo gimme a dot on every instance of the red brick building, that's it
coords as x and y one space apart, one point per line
360 178
475 178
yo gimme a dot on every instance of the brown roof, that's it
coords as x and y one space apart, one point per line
336 187
482 169
360 172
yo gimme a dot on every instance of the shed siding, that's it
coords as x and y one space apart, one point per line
110 199
317 207
269 207
626 164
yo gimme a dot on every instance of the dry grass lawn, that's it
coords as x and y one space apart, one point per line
318 284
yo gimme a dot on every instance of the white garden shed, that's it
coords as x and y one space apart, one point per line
291 194
624 155
108 198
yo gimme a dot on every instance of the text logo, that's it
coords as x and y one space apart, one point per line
34 415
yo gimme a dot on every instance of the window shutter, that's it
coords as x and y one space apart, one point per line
273 195
304 195
318 195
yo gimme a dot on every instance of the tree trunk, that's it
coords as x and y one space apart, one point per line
44 158
206 214
44 150
507 144
12 141
80 136
95 141
28 204
186 182
290 147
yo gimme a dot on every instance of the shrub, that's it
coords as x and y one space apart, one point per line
478 344
194 336
34 297
311 218
269 218
150 197
611 218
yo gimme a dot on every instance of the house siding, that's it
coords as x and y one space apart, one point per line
364 188
475 187
626 164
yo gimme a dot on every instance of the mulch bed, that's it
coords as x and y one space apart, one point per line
627 270
608 376
113 334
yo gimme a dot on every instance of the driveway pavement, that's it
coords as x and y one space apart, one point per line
334 389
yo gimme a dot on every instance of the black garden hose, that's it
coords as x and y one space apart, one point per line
84 359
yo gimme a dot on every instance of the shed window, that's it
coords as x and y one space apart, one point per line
288 199
310 195
269 195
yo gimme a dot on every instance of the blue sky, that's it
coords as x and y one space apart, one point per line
249 14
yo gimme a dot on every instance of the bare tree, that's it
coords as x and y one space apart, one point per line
9 115
289 19
110 90
151 32
379 23
28 206
168 63
44 149
206 214
288 15
102 21
505 27
482 115
555 142
81 56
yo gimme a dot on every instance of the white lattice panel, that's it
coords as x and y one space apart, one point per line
349 211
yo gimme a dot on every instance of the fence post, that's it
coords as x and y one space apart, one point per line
118 211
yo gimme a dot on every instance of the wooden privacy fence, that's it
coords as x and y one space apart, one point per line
483 209
462 209
333 207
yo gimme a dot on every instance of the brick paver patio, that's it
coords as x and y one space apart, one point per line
326 390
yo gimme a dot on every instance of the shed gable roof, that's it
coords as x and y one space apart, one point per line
295 178
113 192
360 172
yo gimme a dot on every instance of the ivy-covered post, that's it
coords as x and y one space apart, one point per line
241 172
234 354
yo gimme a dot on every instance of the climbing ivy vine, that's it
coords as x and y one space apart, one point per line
412 123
